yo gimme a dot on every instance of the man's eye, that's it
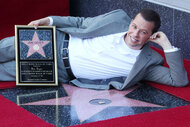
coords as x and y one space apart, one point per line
134 26
144 32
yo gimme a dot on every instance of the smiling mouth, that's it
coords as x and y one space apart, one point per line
133 40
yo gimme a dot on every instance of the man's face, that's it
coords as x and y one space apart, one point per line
139 32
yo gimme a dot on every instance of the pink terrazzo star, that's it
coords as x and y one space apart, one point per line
35 45
81 98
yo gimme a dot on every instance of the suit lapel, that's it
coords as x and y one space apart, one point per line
143 58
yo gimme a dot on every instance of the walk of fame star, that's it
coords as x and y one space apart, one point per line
35 45
89 102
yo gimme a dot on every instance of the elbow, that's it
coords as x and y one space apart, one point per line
182 84
186 83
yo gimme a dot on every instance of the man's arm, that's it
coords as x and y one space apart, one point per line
40 22
176 74
65 21
109 23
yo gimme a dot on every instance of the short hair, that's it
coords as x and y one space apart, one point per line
151 16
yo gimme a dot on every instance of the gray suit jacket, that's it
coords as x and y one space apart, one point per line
148 65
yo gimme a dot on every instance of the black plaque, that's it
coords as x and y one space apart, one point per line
36 60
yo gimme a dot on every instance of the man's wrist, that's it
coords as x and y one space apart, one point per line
166 45
173 49
50 21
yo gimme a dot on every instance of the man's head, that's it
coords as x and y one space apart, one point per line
151 16
143 25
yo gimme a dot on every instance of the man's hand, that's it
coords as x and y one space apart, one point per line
161 39
40 22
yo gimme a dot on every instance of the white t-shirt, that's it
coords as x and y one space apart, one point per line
101 57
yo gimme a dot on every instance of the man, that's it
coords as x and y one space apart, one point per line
106 51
